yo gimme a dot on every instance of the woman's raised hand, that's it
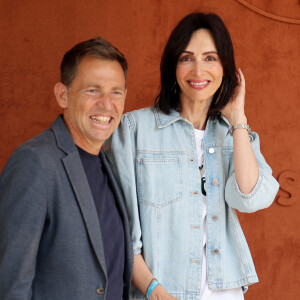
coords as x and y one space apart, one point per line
234 111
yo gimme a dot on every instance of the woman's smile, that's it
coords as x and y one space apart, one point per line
199 71
198 84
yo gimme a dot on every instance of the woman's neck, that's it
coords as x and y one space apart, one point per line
195 112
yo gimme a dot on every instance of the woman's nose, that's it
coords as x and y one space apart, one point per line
199 67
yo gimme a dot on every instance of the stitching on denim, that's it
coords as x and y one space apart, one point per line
130 120
162 152
160 124
256 188
156 205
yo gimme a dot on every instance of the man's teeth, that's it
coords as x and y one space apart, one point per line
101 119
198 83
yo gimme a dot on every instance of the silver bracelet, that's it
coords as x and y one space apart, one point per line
239 126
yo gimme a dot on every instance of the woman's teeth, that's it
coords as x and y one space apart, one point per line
199 83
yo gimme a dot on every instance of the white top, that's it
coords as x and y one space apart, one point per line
199 137
206 294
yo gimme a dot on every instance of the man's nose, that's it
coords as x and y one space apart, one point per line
105 102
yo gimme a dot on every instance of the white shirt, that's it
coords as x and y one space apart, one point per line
206 294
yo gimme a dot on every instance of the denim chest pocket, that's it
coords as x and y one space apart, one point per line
227 156
227 151
159 181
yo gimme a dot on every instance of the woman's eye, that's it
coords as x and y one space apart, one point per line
185 58
210 58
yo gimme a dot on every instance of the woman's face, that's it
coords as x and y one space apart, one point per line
199 70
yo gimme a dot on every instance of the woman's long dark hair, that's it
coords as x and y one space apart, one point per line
168 97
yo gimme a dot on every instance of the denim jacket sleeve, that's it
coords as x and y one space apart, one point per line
120 150
264 191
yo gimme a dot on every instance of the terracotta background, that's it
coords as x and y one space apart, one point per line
35 34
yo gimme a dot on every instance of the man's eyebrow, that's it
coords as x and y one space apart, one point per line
119 88
97 86
91 85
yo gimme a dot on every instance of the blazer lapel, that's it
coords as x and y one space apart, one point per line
86 203
81 188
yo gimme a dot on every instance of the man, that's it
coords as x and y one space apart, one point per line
64 232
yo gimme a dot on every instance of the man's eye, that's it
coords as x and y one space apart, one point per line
117 93
93 92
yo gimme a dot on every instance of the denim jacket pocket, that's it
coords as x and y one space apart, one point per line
227 151
153 188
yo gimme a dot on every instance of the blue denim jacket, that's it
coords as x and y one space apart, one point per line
154 157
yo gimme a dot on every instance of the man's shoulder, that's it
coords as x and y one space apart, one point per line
47 142
40 152
39 145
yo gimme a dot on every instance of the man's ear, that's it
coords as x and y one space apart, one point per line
61 94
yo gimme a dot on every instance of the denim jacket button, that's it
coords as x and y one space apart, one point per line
214 218
211 150
216 251
215 182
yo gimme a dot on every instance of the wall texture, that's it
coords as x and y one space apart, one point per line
266 35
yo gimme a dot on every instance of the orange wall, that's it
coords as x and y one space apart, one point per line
35 34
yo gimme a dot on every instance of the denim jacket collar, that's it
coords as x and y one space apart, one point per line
164 120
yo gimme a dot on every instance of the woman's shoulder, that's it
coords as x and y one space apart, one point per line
140 113
137 117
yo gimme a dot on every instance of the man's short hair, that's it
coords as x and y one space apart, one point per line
96 47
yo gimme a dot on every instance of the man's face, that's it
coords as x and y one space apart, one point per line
94 102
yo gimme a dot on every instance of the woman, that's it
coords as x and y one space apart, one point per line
185 165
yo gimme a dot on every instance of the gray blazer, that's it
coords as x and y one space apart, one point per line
50 237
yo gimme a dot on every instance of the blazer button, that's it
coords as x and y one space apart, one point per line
211 150
100 291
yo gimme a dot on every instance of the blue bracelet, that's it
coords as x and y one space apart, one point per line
151 288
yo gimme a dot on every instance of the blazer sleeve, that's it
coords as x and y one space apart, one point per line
23 208
120 150
264 191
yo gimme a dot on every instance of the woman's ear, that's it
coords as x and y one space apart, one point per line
61 94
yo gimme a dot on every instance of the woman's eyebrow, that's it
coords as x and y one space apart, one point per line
204 53
210 52
188 52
